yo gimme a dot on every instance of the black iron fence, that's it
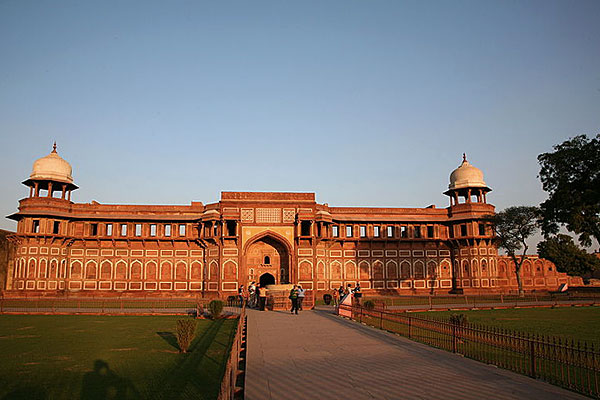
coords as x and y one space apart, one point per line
566 363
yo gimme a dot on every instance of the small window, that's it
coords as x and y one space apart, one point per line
348 230
390 231
417 231
94 230
481 229
463 230
376 231
363 231
56 227
123 229
267 260
36 226
335 231
231 228
181 229
109 229
305 228
404 231
430 231
152 229
138 229
168 230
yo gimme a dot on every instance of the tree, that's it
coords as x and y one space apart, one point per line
571 176
567 256
513 227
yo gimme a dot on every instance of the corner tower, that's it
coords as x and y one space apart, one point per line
51 174
470 236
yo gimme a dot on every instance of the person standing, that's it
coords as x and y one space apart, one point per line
241 295
262 297
294 298
357 293
341 292
336 297
252 294
301 294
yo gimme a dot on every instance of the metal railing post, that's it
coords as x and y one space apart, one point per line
380 319
409 326
454 338
532 357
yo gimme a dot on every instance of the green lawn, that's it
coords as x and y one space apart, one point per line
577 323
104 357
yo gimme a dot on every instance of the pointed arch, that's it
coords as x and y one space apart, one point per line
166 271
31 267
91 270
213 270
391 269
321 270
419 269
63 269
364 270
350 272
151 271
135 270
53 273
196 270
405 272
76 269
106 270
432 270
336 269
378 270
230 270
43 268
121 270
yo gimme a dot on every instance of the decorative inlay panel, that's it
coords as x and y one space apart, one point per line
247 214
268 215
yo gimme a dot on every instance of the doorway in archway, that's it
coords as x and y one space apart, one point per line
268 255
266 279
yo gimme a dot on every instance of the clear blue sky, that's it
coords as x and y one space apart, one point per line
366 103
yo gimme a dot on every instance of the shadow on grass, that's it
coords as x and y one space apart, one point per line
187 379
103 384
170 338
26 393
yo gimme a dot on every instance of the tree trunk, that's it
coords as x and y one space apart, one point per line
518 274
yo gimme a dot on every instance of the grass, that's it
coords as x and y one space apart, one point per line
103 357
572 323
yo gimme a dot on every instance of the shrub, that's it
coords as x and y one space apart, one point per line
186 329
216 308
459 319
369 304
327 299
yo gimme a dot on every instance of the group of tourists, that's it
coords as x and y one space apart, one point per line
297 295
254 297
339 294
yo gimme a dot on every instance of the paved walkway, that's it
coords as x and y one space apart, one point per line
317 355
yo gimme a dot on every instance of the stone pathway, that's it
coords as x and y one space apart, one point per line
318 355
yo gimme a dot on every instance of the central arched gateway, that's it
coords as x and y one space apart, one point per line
267 256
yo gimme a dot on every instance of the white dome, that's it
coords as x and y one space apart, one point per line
466 176
52 167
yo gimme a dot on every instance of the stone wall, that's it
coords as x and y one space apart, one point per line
7 251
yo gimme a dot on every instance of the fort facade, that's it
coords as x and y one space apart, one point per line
272 238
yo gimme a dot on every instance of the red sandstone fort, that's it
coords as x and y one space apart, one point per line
271 238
